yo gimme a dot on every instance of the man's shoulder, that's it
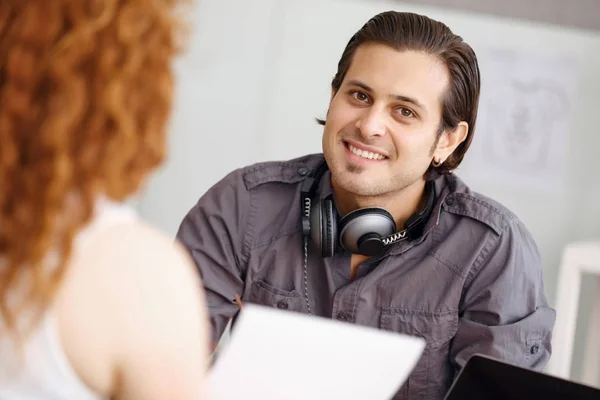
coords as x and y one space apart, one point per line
462 200
236 187
279 171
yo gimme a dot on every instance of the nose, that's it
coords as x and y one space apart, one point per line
371 123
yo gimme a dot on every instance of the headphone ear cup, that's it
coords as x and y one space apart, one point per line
316 224
323 227
361 230
329 229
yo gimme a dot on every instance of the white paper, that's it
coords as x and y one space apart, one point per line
275 355
526 103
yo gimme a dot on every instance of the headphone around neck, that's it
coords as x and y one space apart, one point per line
367 231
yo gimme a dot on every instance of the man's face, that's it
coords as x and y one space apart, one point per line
381 126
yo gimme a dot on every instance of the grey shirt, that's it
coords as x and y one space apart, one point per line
472 283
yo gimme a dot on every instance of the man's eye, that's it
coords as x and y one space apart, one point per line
405 112
360 96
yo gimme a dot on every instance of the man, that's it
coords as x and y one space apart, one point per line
424 256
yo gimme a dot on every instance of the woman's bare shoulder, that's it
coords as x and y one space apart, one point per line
146 296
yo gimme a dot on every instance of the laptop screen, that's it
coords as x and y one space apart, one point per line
487 378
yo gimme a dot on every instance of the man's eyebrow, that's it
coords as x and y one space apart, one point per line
361 85
406 99
411 100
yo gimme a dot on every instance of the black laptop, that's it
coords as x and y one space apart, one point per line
487 378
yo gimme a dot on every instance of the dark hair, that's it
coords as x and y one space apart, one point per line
409 31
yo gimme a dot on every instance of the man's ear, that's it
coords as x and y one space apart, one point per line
449 141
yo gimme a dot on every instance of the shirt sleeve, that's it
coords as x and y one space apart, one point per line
213 232
504 312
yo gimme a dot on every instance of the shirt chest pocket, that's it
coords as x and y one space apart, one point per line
264 294
433 373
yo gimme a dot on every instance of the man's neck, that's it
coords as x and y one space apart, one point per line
401 204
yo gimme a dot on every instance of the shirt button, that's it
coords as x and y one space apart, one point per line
450 200
282 305
302 171
534 349
343 317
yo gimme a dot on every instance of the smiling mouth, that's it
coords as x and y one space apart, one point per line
369 155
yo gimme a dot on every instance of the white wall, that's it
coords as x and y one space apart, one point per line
219 105
258 73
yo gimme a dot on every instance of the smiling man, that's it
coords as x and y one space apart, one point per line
378 230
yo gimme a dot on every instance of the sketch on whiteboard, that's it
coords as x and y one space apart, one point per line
524 115
522 128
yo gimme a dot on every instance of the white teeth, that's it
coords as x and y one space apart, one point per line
365 154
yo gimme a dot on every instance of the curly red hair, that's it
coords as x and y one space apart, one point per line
86 90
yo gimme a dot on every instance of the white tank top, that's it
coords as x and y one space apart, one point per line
43 371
